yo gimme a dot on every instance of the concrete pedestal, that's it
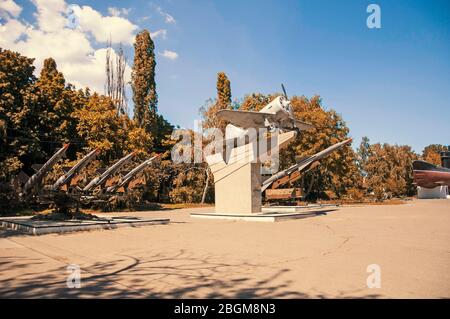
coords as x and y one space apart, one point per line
439 192
238 181
239 192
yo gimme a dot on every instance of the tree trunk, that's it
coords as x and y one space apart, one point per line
206 186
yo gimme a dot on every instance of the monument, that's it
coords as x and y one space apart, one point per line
238 178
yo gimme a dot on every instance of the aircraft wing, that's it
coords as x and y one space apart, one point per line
245 119
303 126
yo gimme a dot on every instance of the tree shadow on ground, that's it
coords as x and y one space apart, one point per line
175 275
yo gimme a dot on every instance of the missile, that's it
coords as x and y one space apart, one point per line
129 177
67 177
99 180
36 179
304 164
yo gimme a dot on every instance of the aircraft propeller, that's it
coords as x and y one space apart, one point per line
284 91
289 109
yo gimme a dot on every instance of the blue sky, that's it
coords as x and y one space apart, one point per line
390 84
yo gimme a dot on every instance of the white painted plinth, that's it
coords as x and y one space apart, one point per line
254 217
36 227
295 209
439 192
268 216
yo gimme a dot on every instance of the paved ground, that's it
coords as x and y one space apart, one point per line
323 256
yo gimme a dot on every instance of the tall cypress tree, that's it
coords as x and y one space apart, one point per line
143 83
223 91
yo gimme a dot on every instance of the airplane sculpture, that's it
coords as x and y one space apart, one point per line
278 114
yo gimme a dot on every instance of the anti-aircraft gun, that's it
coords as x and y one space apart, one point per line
33 184
95 191
271 185
62 195
107 187
66 179
65 193
128 188
125 182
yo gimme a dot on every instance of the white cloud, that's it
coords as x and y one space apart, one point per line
72 48
8 8
171 55
92 70
167 17
117 12
10 32
50 14
103 28
159 33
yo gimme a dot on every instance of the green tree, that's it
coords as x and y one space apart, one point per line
363 153
163 132
143 83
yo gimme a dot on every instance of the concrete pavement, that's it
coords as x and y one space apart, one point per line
323 256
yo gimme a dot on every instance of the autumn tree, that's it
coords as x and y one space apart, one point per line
19 141
432 153
139 141
388 170
54 103
188 185
143 83
101 127
223 90
223 101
